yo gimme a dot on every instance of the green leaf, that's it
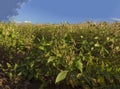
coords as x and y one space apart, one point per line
13 35
97 44
0 65
32 64
79 65
9 65
61 76
10 75
50 59
96 37
42 48
20 73
15 66
102 66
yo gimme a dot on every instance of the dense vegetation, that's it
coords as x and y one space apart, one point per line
60 56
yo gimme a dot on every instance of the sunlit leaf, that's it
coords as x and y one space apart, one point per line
9 65
51 58
61 76
15 66
97 44
41 48
79 65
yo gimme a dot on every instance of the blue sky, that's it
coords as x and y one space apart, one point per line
73 11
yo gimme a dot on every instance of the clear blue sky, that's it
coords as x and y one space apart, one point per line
73 11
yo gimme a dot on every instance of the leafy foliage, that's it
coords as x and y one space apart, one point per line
76 56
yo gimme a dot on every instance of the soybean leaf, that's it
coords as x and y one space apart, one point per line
97 45
79 65
32 64
10 75
41 48
9 65
52 58
61 76
15 66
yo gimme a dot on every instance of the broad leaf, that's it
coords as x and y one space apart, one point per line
79 65
9 65
61 76
51 59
